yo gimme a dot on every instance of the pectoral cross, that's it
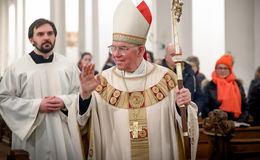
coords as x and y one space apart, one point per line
135 128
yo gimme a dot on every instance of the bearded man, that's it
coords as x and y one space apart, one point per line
35 95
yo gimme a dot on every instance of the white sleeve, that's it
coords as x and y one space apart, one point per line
18 113
83 119
69 98
193 128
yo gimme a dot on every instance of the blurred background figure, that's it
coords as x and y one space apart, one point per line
109 62
195 64
149 56
189 79
254 97
85 59
225 92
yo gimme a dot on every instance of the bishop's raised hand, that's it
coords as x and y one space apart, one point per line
88 81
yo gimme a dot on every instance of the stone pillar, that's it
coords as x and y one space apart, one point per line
20 27
257 33
161 29
185 29
3 35
240 38
82 26
95 31
57 16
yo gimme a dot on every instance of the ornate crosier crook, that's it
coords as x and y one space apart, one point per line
177 58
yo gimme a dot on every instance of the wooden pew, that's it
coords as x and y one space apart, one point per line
4 151
18 155
5 140
244 145
5 132
204 149
5 145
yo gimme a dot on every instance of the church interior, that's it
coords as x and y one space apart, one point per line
207 29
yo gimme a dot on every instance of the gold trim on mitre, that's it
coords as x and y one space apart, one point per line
129 25
128 38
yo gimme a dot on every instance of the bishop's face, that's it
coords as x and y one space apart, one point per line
126 56
43 38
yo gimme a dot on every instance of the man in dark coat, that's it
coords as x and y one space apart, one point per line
189 79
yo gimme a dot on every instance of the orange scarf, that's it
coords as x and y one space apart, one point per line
228 93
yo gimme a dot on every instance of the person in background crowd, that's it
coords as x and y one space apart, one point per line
195 63
189 79
109 62
254 97
225 92
85 59
149 56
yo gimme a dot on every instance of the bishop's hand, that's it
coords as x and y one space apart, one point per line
183 96
88 82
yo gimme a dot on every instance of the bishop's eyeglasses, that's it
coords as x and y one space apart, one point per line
121 49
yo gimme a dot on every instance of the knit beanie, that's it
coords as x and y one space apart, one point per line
227 60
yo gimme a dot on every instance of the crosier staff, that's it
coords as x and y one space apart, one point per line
176 14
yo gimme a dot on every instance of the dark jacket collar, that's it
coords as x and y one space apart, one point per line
39 59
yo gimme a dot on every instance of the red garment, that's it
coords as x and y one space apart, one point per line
145 54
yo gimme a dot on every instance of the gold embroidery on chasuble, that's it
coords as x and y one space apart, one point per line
137 99
136 103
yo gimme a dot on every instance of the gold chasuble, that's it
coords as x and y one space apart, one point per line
136 103
136 117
